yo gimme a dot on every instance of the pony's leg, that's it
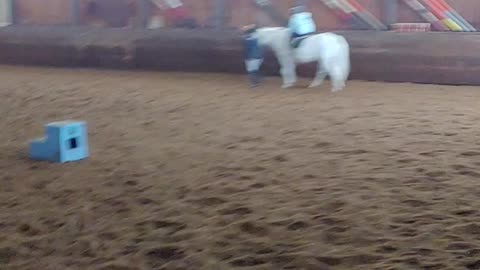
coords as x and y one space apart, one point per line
338 79
338 69
288 77
287 70
339 76
338 85
319 77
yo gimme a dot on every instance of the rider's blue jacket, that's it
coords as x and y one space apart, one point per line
302 24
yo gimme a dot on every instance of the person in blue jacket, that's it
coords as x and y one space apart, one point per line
253 54
301 22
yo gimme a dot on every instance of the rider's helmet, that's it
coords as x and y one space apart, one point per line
297 9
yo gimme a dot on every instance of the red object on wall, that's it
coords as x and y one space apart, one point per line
175 14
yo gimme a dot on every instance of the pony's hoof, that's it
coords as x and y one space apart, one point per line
287 85
336 90
314 84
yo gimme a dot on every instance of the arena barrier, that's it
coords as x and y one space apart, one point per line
437 58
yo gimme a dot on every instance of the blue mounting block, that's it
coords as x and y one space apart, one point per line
64 141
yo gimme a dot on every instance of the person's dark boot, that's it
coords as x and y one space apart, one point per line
254 82
259 77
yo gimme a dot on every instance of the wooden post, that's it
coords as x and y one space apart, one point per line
390 12
219 14
13 11
75 12
143 13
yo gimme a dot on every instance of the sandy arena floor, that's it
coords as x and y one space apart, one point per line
196 171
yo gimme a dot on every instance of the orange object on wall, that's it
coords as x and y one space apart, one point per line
199 9
111 13
43 12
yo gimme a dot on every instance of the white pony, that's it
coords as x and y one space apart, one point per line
329 50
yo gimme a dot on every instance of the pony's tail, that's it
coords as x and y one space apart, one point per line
343 58
338 62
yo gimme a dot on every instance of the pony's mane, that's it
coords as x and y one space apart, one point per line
276 28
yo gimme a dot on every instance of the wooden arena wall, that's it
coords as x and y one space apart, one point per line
439 58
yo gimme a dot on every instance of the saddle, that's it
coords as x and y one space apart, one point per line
295 42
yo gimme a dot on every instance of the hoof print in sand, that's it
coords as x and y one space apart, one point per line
254 229
28 230
247 261
162 255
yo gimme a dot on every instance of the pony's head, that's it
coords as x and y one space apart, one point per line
296 9
248 29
